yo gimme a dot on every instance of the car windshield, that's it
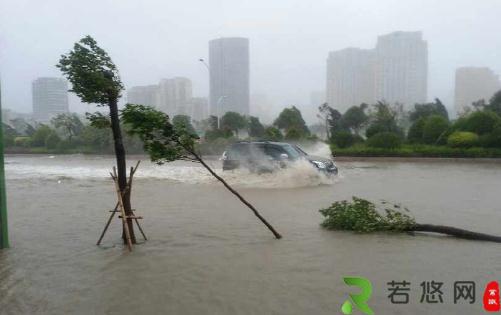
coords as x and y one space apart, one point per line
300 151
291 151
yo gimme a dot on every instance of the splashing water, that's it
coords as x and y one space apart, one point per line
298 174
65 168
319 149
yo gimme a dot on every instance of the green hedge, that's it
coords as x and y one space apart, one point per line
385 140
462 139
362 150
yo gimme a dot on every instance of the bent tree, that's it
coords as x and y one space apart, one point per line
95 79
166 142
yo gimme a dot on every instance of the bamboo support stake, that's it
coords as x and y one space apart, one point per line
141 230
132 171
115 210
107 225
120 201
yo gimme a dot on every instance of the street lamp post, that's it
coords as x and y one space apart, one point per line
218 108
220 99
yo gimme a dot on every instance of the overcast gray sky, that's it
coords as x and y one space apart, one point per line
289 40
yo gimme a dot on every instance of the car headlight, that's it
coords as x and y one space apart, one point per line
319 164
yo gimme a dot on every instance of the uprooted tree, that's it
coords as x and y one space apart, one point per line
165 142
363 216
95 79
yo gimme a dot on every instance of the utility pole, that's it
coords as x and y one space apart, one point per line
4 235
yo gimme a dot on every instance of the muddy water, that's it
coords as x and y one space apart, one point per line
207 254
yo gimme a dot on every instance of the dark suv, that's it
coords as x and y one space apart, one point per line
265 156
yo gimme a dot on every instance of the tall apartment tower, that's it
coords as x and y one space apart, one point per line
474 84
50 98
350 78
401 68
145 95
174 96
229 75
199 108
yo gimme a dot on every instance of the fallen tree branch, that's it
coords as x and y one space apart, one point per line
459 233
360 215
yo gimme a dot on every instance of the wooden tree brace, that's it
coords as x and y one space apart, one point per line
119 208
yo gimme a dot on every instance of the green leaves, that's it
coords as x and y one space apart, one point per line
233 121
91 71
98 120
291 118
162 141
363 216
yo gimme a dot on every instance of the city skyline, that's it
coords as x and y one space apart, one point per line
352 58
288 46
395 71
174 96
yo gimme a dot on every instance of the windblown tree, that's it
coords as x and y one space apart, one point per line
384 118
233 121
40 135
355 118
291 118
95 79
428 109
495 103
331 118
22 127
164 143
70 123
255 128
182 123
272 134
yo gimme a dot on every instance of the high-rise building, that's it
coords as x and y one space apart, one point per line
50 98
401 68
145 95
474 84
229 75
174 96
199 109
350 78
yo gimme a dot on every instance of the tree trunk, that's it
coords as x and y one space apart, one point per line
121 165
460 233
233 191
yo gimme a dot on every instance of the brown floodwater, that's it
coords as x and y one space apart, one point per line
208 254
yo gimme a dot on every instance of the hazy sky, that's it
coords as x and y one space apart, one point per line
289 40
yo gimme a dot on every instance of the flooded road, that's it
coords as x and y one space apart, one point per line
208 254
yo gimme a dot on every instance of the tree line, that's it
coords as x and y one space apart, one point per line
69 133
389 127
64 133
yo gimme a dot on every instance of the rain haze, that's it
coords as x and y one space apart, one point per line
289 41
265 157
